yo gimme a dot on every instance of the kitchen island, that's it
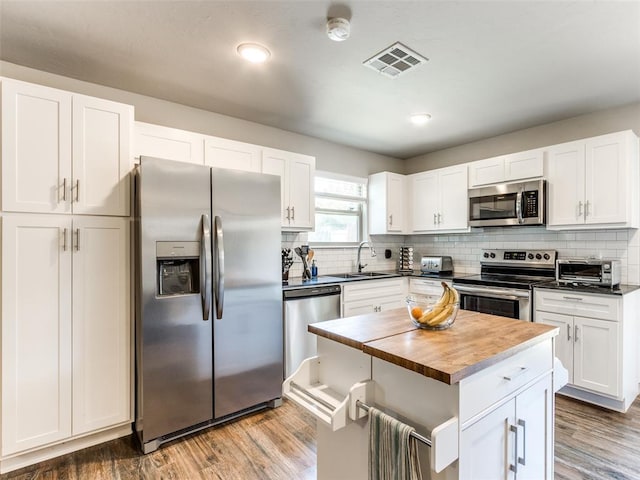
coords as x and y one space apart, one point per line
480 392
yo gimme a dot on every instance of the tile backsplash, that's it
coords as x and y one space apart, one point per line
465 248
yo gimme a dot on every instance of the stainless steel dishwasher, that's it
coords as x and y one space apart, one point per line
303 306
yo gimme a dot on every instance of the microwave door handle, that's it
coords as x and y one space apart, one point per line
205 267
219 247
519 205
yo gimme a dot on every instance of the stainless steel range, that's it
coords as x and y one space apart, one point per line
505 284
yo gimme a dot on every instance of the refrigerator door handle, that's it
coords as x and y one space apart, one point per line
205 267
219 247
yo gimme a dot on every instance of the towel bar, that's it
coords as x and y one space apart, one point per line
417 436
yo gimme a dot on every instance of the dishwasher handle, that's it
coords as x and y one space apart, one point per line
309 292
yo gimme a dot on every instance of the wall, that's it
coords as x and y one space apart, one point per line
590 125
329 156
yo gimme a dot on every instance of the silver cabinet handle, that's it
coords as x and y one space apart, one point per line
522 460
514 466
521 371
64 239
77 190
205 267
77 239
293 213
439 219
568 332
219 248
435 219
586 209
575 333
579 209
288 214
64 189
577 299
391 220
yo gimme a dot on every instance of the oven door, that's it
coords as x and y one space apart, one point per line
506 302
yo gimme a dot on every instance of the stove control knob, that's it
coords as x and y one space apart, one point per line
492 255
486 255
538 256
546 256
530 256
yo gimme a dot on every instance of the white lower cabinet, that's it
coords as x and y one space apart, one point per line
512 441
66 339
427 286
597 343
370 296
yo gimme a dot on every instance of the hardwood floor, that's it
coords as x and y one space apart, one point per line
591 444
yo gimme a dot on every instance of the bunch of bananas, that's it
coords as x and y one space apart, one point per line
441 311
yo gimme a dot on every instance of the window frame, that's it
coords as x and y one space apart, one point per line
362 227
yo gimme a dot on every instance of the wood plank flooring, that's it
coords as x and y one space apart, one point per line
591 444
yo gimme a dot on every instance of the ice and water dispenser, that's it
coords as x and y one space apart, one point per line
178 268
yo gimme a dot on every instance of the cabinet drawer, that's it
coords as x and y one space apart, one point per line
425 286
488 386
372 289
579 304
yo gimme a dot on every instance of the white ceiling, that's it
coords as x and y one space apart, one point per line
493 67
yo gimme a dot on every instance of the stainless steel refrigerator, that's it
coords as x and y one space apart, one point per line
209 335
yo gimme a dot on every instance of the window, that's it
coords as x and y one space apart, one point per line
340 209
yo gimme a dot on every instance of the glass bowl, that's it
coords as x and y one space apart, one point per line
432 312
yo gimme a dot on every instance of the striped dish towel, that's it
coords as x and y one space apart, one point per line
393 454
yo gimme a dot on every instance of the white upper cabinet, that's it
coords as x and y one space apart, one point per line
64 153
296 172
594 182
387 204
439 200
169 143
102 132
223 153
507 168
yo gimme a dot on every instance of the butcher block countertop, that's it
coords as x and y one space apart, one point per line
474 342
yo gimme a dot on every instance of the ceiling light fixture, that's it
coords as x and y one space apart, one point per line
254 52
420 118
338 29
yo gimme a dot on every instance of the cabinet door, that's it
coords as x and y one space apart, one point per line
36 148
223 153
101 327
36 331
521 165
170 143
596 360
395 202
350 309
101 156
564 340
453 199
274 163
424 201
301 191
606 195
487 446
534 412
485 172
565 184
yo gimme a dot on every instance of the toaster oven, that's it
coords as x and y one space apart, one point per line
591 271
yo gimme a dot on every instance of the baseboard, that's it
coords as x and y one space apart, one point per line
24 459
589 397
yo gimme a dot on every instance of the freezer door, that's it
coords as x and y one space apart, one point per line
248 336
173 327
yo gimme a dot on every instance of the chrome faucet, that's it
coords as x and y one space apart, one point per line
371 251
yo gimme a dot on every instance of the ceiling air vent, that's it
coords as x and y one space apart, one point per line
395 60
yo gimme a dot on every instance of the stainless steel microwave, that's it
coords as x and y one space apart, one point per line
518 203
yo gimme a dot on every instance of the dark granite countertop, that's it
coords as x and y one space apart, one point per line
296 282
582 288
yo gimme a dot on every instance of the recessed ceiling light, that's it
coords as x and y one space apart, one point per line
420 118
253 52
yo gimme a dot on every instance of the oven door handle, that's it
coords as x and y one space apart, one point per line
507 294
